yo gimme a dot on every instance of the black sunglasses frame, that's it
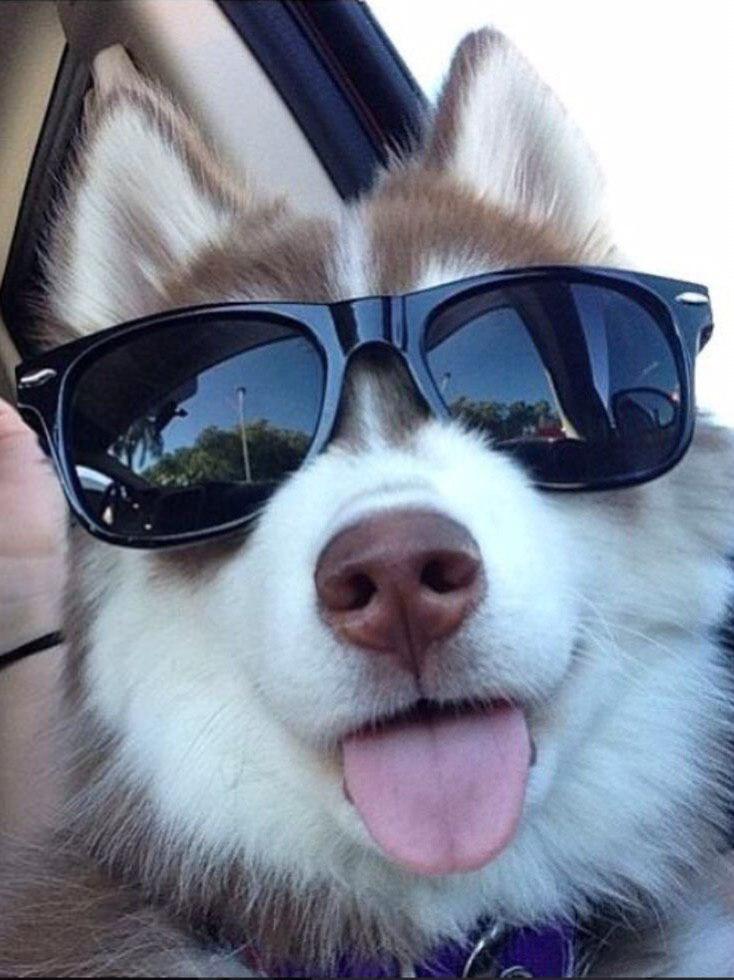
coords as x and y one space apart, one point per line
338 331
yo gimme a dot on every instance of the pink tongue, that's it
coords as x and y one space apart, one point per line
442 795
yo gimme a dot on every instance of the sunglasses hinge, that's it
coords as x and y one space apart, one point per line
37 378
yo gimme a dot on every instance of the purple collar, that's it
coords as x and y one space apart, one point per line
488 952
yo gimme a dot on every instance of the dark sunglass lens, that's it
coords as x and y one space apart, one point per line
190 426
577 380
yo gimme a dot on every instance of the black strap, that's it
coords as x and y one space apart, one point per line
35 646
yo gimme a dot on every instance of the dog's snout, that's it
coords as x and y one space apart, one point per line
397 582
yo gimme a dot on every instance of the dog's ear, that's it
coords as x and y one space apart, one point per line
144 196
500 128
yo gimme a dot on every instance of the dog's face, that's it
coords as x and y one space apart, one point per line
229 704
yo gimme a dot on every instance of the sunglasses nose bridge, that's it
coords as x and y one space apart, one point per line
380 394
362 321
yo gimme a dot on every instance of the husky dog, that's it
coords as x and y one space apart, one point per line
219 818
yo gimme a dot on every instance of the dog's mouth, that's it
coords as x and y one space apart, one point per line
440 788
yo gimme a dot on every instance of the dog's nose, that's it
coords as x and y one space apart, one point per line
399 581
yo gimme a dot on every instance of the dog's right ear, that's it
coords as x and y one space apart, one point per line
499 129
144 196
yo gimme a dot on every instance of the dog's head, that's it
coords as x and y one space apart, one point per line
409 577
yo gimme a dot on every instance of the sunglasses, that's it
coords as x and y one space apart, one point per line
178 427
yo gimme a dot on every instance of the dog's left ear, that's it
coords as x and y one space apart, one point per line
499 128
145 195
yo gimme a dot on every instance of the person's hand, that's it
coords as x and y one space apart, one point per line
32 536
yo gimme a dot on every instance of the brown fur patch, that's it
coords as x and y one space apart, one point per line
270 256
71 920
420 215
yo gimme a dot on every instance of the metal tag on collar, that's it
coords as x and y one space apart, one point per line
487 960
482 961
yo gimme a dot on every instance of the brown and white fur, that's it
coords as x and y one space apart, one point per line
205 697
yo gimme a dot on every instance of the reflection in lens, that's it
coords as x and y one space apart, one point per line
576 380
191 426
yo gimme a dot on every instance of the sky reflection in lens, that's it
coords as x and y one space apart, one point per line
553 361
194 409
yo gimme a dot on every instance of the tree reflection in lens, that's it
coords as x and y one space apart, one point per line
217 455
504 422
